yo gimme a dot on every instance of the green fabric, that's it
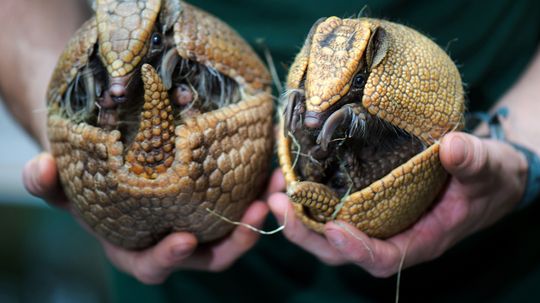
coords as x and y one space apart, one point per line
491 42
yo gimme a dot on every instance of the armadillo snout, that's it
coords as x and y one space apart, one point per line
313 120
117 89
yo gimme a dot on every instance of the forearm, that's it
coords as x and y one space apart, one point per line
523 102
35 32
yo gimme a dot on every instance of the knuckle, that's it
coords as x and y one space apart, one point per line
148 277
382 272
456 214
292 233
478 160
245 238
332 261
359 259
439 251
219 267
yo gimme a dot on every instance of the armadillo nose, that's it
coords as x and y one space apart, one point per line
312 120
117 88
118 93
119 100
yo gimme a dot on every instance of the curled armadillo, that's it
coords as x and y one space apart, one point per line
159 112
366 102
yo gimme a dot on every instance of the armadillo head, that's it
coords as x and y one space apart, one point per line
125 36
334 65
336 55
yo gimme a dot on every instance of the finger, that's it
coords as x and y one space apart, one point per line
435 232
469 158
477 164
155 264
379 258
465 157
40 178
221 256
276 184
299 234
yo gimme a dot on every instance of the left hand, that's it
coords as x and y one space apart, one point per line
178 250
487 180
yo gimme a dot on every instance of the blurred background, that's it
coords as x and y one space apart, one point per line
45 256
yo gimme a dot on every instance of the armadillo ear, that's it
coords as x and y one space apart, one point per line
377 47
170 12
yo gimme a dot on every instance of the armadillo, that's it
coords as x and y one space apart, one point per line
367 101
158 114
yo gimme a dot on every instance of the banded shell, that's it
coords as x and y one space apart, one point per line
136 171
412 88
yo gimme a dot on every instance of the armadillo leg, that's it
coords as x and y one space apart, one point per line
319 199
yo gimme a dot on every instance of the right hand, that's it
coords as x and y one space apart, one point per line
176 251
487 180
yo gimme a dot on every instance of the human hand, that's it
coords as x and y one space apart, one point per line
176 251
487 180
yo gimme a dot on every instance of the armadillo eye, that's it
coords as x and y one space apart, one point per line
156 40
359 80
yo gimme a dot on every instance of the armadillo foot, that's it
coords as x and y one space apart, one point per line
293 112
319 200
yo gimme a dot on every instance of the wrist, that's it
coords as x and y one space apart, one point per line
529 161
531 191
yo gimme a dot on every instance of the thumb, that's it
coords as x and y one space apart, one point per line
40 178
465 157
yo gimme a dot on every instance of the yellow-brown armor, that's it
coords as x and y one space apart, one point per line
412 86
138 170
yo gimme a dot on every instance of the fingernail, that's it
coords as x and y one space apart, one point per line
28 168
32 170
181 251
336 238
458 148
41 165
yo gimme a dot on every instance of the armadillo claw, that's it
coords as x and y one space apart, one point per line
349 115
292 113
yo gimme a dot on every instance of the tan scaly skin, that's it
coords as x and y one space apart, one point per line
411 84
163 174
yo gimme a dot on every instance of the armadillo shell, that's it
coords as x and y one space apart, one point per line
220 159
220 164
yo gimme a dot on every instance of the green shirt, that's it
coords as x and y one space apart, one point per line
491 42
